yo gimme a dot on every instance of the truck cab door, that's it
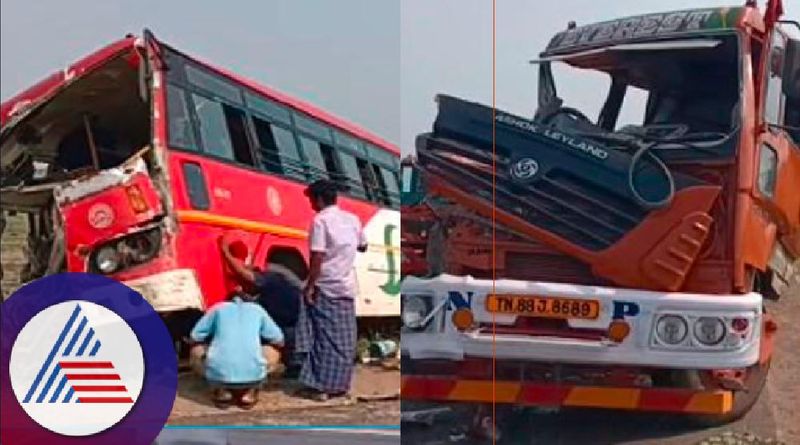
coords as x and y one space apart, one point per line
777 186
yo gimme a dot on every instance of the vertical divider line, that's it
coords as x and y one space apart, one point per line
494 219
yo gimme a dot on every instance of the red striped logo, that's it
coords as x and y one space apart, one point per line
87 393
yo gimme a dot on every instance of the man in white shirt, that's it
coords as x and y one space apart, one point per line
327 322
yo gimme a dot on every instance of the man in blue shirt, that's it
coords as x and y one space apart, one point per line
235 364
278 291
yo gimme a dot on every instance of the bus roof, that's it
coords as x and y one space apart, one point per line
49 85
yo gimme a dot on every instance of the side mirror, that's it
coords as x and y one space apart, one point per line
791 70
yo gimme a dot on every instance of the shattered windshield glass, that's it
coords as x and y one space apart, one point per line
668 87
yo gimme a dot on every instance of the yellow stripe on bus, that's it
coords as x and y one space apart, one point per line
230 222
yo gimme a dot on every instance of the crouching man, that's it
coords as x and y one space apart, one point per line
229 352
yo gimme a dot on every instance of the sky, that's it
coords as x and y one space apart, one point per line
378 64
341 55
446 47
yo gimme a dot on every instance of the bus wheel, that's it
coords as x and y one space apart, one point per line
282 279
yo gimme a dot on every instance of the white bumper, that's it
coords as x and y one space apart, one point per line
440 339
168 291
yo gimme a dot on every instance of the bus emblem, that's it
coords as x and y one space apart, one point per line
101 216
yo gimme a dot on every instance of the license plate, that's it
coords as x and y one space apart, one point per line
546 307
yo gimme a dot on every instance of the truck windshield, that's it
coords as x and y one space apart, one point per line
679 87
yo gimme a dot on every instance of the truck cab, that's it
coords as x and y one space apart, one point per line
618 260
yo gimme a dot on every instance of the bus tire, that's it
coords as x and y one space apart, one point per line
284 274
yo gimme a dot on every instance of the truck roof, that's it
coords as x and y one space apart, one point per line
651 26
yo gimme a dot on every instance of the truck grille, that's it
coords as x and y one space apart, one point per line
558 202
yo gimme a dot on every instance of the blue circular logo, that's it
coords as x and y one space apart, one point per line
85 359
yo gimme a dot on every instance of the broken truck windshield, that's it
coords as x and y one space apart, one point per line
679 86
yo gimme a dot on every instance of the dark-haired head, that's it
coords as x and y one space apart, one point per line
322 193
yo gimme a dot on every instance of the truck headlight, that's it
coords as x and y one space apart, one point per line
709 330
107 259
671 329
414 310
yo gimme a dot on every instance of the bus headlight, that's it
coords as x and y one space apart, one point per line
709 330
125 252
107 259
414 310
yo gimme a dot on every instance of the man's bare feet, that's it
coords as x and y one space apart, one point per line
248 399
222 398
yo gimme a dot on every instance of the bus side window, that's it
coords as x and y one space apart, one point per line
352 174
196 186
391 186
222 130
270 155
212 126
315 158
367 178
279 153
181 133
237 129
382 194
331 164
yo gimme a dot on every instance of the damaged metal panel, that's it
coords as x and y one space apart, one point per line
785 271
102 180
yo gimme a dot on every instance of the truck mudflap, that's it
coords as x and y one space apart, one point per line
659 329
675 400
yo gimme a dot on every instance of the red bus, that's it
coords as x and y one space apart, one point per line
133 161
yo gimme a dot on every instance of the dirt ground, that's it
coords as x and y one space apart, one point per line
374 401
774 419
278 437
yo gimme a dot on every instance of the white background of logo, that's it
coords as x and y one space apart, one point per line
119 345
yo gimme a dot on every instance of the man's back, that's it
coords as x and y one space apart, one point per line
337 234
236 329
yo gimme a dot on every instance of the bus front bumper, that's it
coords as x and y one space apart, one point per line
169 291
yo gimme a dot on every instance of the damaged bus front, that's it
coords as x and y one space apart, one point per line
83 161
133 162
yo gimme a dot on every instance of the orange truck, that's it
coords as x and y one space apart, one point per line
581 263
